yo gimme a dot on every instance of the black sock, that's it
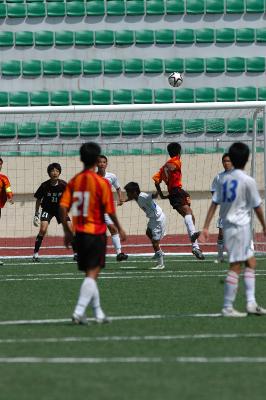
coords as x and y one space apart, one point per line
74 246
38 243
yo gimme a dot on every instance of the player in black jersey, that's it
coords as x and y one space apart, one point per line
47 196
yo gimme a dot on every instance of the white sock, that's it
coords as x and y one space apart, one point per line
249 280
36 255
87 291
191 229
230 288
95 303
159 255
116 243
220 248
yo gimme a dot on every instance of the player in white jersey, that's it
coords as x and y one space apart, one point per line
237 195
220 240
112 178
157 221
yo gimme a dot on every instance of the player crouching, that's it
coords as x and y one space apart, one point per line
157 221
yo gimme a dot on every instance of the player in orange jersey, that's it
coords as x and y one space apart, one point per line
89 196
179 199
5 191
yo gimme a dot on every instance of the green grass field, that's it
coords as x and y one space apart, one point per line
165 340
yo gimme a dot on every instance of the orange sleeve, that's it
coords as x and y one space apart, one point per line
158 176
107 198
7 186
66 198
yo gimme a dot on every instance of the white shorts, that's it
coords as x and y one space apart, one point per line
238 242
157 227
219 223
108 220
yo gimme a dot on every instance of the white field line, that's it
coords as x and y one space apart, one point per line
80 339
132 360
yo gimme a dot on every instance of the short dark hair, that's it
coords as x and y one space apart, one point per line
132 187
174 149
239 154
89 153
225 155
1 161
53 166
103 156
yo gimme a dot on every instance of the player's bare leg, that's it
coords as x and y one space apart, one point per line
73 244
38 242
158 253
220 246
249 280
120 256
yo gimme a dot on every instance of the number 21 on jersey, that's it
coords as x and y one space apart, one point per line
80 205
229 191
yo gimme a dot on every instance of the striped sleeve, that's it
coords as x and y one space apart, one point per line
7 187
158 176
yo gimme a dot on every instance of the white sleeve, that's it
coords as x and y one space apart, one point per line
214 184
115 182
253 196
216 197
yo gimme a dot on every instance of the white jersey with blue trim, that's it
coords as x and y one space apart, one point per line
148 205
216 181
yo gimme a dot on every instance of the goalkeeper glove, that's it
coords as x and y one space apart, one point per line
36 219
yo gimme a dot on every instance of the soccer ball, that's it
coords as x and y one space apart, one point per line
175 79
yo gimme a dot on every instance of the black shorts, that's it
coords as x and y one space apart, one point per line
47 215
91 250
179 198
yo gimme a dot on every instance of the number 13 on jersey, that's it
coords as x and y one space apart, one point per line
80 205
229 191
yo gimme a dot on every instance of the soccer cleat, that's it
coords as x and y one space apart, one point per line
35 259
103 320
198 253
254 309
157 267
231 312
194 236
121 257
76 320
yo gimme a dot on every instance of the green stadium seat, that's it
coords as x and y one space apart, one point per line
92 67
195 7
235 6
226 94
142 96
24 38
47 129
8 130
84 38
101 96
89 128
18 99
184 36
95 7
80 97
204 35
194 65
153 66
3 99
261 35
131 128
184 95
214 6
163 96
69 129
52 67
135 7
56 9
164 36
133 66
104 37
255 6
31 68
6 39
235 64
113 66
124 38
260 128
255 64
237 125
110 128
174 64
16 10
248 93
204 94
37 10
262 93
245 35
215 65
40 98
72 67
2 10
154 7
144 36
11 68
152 127
175 7
215 126
122 96
27 130
173 126
75 9
194 126
225 35
60 98
115 7
44 38
64 38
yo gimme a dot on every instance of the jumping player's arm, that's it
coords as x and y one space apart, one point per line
159 191
8 189
157 180
155 195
